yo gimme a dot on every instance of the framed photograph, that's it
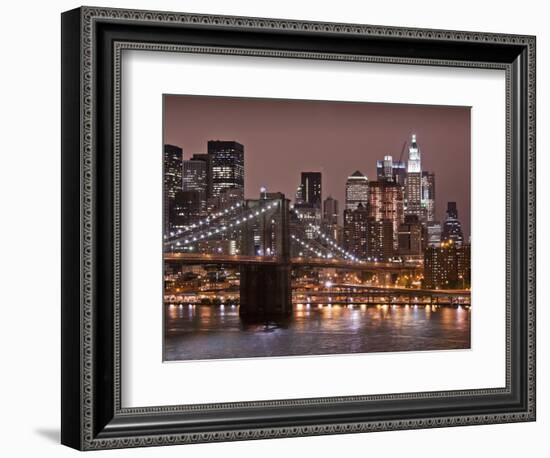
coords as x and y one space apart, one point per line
276 228
250 272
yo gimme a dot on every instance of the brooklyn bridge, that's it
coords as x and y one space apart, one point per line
266 239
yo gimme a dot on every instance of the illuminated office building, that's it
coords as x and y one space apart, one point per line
226 164
357 191
172 176
386 203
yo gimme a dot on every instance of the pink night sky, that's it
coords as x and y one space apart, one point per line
282 138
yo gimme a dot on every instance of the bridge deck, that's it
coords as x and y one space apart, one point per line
382 290
195 258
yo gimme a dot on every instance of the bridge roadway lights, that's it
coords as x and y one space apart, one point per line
265 291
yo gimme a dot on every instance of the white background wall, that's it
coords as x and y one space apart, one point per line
30 214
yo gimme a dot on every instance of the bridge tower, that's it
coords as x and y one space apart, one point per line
265 289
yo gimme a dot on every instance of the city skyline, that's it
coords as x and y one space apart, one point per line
390 219
264 151
287 222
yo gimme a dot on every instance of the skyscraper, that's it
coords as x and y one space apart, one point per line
330 219
357 191
452 229
204 157
308 202
447 266
399 172
390 170
298 197
226 164
330 211
355 231
185 209
195 178
387 168
440 266
452 211
380 237
410 237
226 198
386 203
413 182
433 233
463 263
311 188
172 173
428 196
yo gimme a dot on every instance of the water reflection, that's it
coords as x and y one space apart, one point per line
208 332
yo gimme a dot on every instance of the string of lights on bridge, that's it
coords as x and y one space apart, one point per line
188 239
327 239
205 222
184 237
308 246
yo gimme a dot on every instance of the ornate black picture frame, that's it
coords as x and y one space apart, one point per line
92 42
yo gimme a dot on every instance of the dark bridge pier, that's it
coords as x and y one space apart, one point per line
265 290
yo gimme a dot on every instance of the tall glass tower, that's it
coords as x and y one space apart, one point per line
172 171
195 178
226 164
452 229
312 188
357 191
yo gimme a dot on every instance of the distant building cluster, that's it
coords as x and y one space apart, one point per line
390 218
196 187
207 191
401 221
393 216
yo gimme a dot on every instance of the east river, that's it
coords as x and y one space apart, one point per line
195 332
